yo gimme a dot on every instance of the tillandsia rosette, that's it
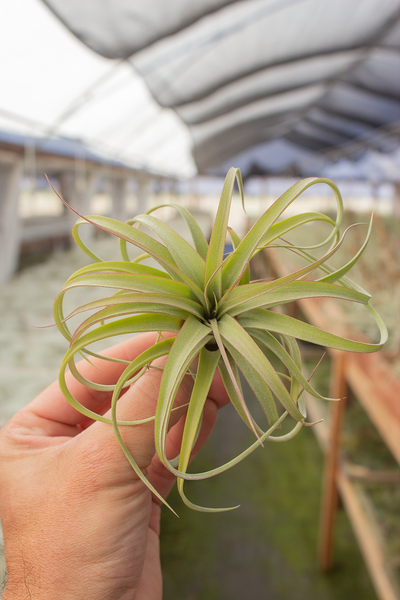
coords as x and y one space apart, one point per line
216 318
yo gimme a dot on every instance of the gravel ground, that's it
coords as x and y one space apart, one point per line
30 355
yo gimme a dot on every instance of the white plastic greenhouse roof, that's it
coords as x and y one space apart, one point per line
53 87
269 85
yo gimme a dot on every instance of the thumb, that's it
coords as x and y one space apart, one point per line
137 403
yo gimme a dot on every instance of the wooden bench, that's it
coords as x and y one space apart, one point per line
376 387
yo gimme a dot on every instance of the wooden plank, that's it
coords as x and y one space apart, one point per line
368 540
361 473
378 391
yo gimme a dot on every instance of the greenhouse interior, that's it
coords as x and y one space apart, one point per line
230 171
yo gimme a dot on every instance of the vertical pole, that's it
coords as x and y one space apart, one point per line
118 190
330 491
143 193
10 174
396 201
78 192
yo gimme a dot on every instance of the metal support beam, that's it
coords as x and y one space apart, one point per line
143 193
78 193
10 174
396 201
118 192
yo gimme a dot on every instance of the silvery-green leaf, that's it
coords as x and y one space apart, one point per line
277 323
191 338
213 274
186 258
239 341
251 241
156 351
198 237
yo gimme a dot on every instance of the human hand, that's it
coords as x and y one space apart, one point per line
77 521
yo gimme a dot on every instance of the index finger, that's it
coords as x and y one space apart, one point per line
51 403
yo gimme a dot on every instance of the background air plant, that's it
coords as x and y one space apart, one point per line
215 314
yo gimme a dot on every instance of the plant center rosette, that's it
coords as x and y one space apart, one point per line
216 318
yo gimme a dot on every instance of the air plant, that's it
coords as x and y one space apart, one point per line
214 315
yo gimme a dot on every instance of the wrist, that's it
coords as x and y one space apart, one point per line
42 583
19 583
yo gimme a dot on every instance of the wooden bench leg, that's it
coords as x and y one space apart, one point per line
330 491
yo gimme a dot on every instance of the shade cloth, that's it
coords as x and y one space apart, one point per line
260 83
